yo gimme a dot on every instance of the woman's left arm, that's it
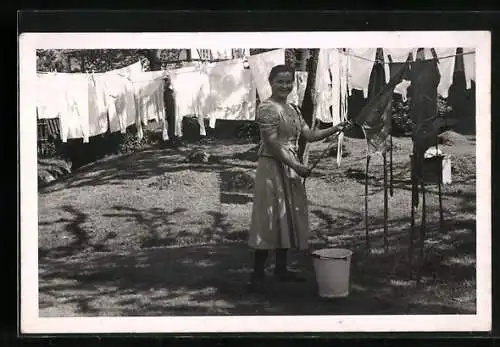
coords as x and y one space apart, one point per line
316 134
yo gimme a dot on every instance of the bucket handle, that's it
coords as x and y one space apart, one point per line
317 256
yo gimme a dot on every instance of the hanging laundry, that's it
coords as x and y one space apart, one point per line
375 118
343 98
402 87
120 101
260 67
398 55
446 65
377 75
47 86
149 90
469 66
128 71
326 72
299 88
232 92
74 118
425 78
186 84
98 110
360 66
222 53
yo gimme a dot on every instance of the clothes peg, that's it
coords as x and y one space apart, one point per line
434 54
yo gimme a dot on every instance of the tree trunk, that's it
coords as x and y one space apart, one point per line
309 102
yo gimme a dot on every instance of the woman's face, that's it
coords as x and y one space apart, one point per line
282 84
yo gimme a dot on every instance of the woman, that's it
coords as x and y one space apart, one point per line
280 213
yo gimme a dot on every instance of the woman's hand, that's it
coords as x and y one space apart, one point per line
303 170
342 126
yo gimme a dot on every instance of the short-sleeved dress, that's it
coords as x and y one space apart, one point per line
280 212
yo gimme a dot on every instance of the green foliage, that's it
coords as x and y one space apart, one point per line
101 60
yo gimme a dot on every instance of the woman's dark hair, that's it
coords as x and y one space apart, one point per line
279 69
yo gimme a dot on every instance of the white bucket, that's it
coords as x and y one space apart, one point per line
332 267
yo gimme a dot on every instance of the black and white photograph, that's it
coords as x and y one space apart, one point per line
258 182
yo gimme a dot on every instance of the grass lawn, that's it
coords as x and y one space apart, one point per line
149 234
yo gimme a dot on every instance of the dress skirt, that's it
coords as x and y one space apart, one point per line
280 212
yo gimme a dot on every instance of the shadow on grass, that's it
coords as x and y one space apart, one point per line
209 277
236 186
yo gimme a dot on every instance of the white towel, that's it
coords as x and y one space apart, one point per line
360 66
446 67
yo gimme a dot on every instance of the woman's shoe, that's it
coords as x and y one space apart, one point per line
256 282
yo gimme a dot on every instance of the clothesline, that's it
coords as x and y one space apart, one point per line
438 58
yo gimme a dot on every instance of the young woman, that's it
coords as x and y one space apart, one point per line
280 212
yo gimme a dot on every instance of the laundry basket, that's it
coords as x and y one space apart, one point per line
332 267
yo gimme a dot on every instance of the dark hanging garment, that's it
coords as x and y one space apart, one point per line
376 117
457 95
377 76
425 78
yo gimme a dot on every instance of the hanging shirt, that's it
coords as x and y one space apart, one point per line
48 105
232 92
120 101
360 66
150 105
98 110
74 118
260 67
186 84
149 89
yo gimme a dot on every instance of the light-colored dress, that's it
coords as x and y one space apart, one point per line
280 211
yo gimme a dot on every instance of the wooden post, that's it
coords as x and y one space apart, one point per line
386 207
367 237
423 227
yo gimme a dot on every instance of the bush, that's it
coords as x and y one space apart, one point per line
401 122
249 131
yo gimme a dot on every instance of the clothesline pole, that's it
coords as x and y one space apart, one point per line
412 228
440 195
423 227
391 187
367 238
386 209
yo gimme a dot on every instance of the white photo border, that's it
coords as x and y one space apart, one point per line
31 323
